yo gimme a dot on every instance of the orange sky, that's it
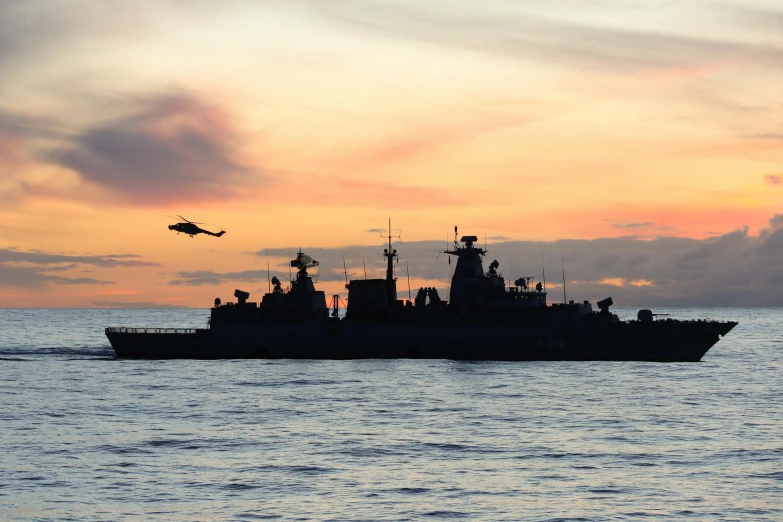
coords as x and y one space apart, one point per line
308 123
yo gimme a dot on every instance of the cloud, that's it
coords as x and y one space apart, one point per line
174 147
420 137
633 225
36 257
16 269
773 179
208 277
26 276
341 192
734 269
33 32
522 33
15 124
375 230
776 222
766 136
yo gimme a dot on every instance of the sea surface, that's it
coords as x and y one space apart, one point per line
84 436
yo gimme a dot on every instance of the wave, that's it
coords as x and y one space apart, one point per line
79 351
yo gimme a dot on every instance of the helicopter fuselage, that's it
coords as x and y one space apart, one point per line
191 229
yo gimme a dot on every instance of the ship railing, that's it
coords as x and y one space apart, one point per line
124 330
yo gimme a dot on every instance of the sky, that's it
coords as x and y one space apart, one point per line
641 141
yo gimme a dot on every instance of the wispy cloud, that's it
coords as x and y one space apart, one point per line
766 136
172 148
27 276
37 257
208 277
16 269
522 33
633 225
422 137
344 193
773 179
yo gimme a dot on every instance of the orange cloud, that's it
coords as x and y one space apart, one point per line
419 139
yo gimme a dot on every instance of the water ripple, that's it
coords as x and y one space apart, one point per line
88 437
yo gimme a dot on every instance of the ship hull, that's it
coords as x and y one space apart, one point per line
660 341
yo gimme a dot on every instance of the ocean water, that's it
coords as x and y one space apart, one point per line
84 436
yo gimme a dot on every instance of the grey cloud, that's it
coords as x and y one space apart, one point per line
776 222
734 269
773 179
11 255
26 276
518 33
15 269
193 159
25 126
34 31
26 27
757 19
375 230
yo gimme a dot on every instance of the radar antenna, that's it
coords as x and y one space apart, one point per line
303 262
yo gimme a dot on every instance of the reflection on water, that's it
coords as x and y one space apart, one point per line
88 437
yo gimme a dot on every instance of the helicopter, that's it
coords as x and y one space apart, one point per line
191 228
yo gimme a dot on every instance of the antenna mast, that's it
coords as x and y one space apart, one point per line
543 271
345 269
290 276
408 271
565 300
391 255
268 280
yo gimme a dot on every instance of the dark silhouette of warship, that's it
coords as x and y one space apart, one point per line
483 320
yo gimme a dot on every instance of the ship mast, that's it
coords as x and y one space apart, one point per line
390 254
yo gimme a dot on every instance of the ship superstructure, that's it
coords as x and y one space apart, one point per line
483 319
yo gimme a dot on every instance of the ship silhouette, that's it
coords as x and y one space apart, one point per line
483 319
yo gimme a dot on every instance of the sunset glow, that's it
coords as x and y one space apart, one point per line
307 123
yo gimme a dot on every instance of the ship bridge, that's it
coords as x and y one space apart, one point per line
469 272
471 287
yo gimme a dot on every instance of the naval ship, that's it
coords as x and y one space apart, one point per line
482 320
